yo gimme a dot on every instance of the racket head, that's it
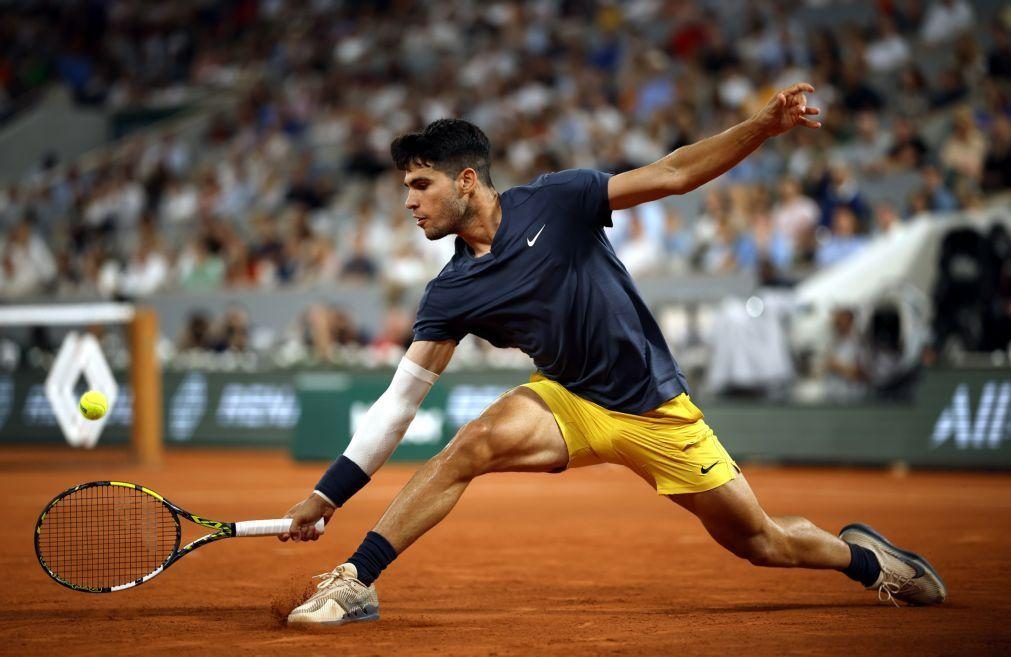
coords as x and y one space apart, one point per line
105 536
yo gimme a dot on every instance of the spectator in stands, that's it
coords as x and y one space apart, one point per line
997 164
939 198
147 270
405 267
201 267
843 241
640 253
178 202
304 188
907 150
770 244
967 194
359 267
866 151
197 334
886 218
327 329
233 333
320 265
395 335
10 205
794 215
845 362
730 250
998 59
678 243
239 271
964 150
267 256
27 265
912 97
917 204
945 20
952 88
840 187
857 94
889 50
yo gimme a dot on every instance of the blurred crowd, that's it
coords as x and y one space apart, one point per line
292 185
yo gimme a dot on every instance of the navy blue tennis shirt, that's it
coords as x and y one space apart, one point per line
553 287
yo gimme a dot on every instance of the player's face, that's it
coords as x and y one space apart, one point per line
435 203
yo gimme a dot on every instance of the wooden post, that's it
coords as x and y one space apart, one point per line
145 379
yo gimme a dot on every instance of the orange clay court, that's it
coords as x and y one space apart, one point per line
589 562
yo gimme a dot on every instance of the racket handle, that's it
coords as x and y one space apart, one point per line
268 527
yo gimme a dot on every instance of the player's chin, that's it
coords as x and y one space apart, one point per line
433 233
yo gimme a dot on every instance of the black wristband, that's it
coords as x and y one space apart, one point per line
342 480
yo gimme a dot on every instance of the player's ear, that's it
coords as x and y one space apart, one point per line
466 180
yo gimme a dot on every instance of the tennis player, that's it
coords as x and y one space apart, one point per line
533 269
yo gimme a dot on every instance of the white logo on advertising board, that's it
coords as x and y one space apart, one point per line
257 406
188 406
79 355
990 426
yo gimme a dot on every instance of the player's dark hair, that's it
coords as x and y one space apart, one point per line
448 145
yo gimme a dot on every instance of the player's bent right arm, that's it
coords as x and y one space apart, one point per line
377 437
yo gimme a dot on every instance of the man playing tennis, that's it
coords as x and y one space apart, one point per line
533 269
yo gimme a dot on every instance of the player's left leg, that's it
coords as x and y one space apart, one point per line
734 518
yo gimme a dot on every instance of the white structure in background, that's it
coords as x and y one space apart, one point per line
80 354
900 267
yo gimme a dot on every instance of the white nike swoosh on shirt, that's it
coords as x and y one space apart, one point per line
531 240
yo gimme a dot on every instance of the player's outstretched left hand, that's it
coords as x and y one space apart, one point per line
304 516
788 109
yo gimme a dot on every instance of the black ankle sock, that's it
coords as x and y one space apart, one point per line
373 555
864 566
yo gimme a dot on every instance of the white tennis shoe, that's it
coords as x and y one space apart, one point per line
339 598
905 575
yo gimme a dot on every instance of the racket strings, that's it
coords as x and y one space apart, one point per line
105 536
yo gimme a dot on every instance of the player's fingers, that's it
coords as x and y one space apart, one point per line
808 122
305 531
811 110
799 87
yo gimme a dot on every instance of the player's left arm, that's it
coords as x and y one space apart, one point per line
698 163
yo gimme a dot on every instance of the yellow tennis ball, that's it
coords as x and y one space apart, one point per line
93 405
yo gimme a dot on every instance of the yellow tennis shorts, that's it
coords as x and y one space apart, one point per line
671 447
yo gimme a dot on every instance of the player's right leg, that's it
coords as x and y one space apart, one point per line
518 433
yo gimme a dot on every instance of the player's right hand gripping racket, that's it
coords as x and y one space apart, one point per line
106 536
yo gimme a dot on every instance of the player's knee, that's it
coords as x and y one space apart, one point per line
760 549
762 552
468 453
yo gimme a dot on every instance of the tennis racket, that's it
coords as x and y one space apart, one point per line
106 536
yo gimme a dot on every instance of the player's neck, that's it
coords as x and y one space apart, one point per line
481 227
